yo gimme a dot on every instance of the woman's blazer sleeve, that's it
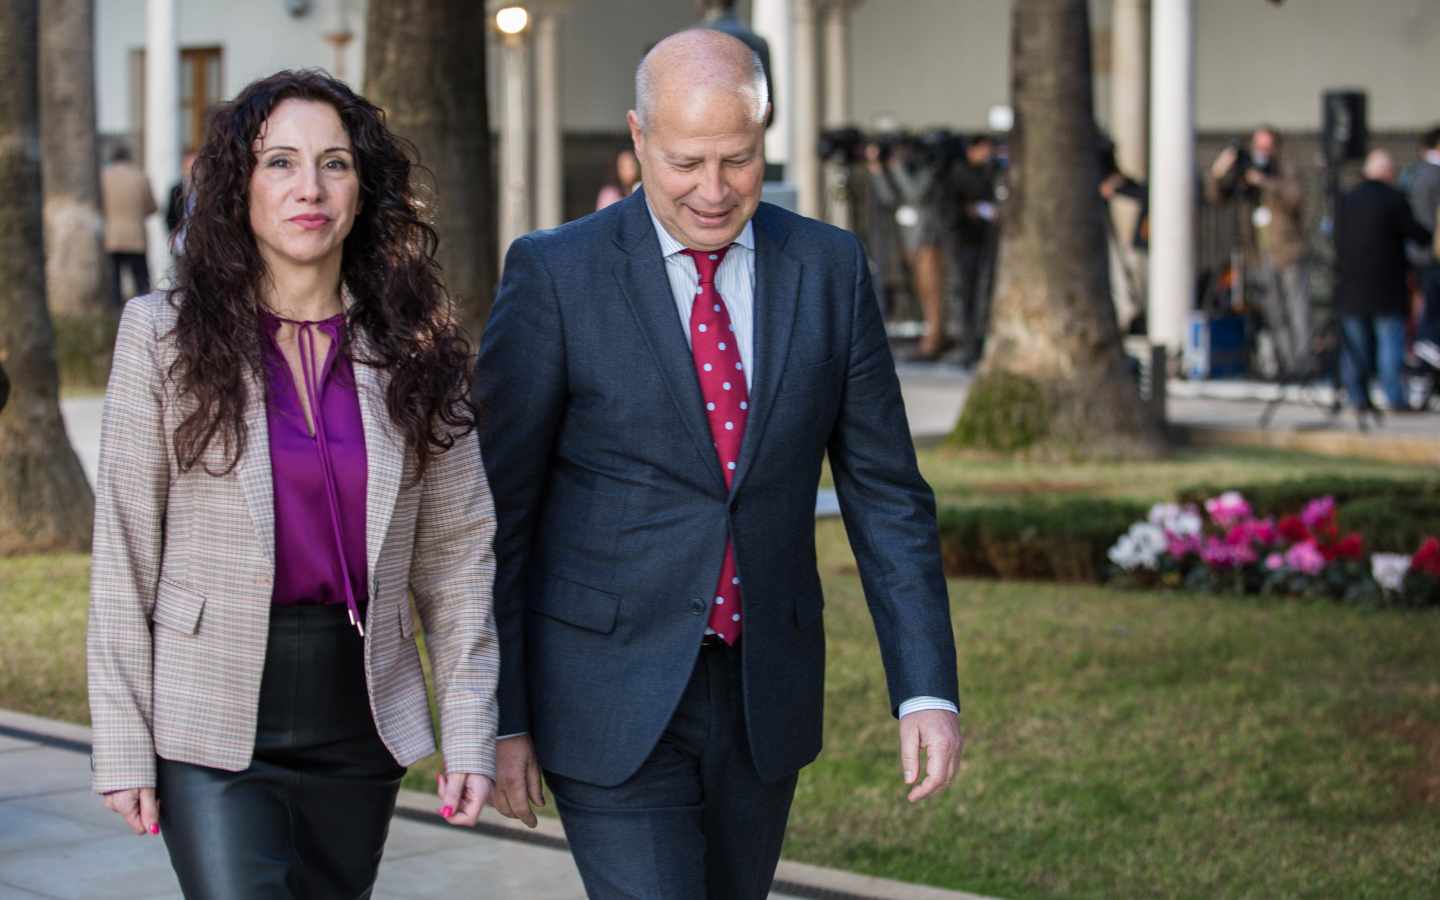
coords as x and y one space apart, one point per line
452 579
130 501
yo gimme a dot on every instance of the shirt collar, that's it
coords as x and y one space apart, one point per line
669 246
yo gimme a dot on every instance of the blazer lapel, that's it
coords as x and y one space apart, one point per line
777 298
253 468
642 279
384 457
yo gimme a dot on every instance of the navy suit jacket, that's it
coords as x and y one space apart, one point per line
613 512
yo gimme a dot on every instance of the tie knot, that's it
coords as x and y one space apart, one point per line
707 262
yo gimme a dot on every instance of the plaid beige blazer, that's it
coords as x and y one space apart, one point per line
184 563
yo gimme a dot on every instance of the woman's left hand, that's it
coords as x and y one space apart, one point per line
462 796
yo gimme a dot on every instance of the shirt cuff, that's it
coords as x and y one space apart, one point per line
919 704
502 737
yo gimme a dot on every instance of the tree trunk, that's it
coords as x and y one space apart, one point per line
1054 374
75 274
45 500
425 65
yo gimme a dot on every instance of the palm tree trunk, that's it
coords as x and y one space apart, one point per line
45 500
74 258
425 65
1054 345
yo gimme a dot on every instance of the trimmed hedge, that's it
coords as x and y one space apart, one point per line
1066 540
1281 498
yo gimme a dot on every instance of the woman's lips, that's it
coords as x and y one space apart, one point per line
311 222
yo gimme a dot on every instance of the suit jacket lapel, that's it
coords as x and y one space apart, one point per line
642 279
777 298
253 468
384 456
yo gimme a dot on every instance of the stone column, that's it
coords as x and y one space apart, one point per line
804 100
837 104
1172 181
1130 128
515 216
549 146
771 20
162 123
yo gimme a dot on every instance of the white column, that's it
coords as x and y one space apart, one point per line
804 101
514 143
162 123
837 105
771 20
549 174
1172 170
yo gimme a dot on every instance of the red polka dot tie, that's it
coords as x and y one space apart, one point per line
727 405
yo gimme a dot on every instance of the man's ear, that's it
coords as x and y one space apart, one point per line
637 134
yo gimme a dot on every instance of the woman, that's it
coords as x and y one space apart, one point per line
912 191
286 455
627 171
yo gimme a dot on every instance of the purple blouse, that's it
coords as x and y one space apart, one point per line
319 480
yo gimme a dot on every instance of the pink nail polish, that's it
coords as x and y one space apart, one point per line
447 811
154 829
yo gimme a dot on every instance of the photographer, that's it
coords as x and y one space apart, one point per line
972 185
1268 199
909 184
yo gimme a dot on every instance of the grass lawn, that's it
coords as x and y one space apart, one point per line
1121 744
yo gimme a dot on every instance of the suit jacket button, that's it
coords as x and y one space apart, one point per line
697 606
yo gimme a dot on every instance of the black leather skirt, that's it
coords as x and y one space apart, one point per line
309 817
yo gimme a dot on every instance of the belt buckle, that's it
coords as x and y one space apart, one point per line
712 640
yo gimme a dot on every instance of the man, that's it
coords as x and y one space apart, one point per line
1269 201
127 201
1424 200
662 381
1372 224
973 243
720 15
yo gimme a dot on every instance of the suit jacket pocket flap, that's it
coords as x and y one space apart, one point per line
177 607
576 604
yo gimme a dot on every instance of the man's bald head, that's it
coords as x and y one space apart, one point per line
1379 166
697 61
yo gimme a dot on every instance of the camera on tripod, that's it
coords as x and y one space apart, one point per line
938 148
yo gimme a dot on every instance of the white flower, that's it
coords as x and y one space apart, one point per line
1388 569
1177 520
1139 548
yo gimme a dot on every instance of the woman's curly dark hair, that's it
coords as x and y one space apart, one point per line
389 267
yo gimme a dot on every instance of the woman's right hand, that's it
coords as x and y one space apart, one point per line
138 807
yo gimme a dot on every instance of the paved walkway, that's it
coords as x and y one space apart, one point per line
58 842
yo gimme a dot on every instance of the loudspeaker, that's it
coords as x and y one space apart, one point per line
1344 134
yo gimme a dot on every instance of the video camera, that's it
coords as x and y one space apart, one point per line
938 148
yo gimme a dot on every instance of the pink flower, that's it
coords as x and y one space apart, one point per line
1305 557
1274 561
1220 555
1263 531
1318 512
1227 509
1182 546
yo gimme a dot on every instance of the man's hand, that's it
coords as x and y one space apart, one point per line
517 775
462 796
937 732
1255 178
137 807
1223 162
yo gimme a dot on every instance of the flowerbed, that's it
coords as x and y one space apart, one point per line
1222 545
1367 540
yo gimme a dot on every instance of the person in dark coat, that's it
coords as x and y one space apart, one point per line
1372 224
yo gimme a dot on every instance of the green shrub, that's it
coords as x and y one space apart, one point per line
1065 540
1280 498
1003 412
1395 524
